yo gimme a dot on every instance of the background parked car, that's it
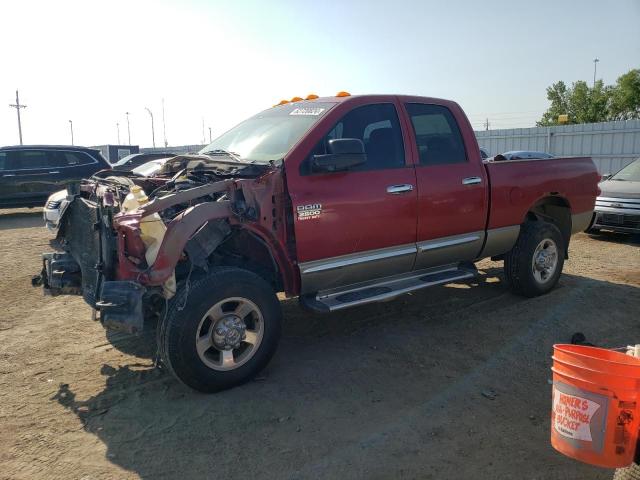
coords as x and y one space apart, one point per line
29 174
484 154
134 160
56 203
618 206
524 154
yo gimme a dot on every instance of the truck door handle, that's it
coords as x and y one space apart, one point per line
398 189
471 181
9 175
54 171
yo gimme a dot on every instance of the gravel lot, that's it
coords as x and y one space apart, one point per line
401 389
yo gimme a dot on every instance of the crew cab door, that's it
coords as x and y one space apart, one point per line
452 185
360 224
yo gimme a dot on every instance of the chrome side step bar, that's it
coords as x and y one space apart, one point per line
386 288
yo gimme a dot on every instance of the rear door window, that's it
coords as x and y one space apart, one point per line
438 136
71 159
33 160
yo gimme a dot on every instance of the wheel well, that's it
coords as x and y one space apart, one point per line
246 250
555 210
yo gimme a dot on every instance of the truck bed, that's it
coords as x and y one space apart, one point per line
516 185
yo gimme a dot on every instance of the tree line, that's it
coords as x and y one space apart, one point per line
599 103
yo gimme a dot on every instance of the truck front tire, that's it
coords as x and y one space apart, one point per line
221 330
535 263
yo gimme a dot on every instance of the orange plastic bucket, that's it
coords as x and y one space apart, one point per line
595 415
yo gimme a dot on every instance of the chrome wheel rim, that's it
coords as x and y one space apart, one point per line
545 260
229 334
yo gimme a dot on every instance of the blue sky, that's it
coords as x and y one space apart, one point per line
223 61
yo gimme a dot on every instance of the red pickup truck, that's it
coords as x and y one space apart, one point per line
339 201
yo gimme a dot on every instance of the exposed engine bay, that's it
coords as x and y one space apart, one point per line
129 242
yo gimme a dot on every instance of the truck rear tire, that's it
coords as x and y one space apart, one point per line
534 264
221 330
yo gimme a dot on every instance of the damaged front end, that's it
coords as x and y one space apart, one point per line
128 243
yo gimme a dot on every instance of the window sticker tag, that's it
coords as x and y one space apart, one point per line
313 111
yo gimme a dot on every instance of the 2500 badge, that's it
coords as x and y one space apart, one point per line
307 212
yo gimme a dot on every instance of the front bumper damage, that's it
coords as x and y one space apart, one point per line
87 267
119 304
104 254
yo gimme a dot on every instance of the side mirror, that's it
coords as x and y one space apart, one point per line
606 176
344 153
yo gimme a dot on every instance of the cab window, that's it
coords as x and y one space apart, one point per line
438 136
378 127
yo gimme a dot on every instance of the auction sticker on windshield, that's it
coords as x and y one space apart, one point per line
313 111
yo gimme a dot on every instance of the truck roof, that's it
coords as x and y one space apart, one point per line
373 97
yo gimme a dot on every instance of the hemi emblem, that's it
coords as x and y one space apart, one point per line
307 212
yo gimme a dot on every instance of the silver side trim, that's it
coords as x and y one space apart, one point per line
355 258
446 250
435 244
500 240
581 221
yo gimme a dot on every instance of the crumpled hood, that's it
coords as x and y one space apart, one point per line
617 189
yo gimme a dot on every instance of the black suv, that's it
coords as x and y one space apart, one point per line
29 174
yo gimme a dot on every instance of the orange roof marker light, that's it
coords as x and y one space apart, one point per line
296 99
311 96
282 102
343 94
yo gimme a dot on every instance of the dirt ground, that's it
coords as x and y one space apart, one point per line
392 390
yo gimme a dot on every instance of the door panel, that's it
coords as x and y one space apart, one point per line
452 190
354 226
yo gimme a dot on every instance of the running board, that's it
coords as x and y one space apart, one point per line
386 288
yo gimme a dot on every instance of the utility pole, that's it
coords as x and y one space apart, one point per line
203 137
486 124
210 135
128 128
164 127
17 106
118 128
595 67
153 132
71 126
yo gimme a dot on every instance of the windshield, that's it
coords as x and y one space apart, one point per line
630 173
270 134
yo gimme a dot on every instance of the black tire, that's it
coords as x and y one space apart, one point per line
183 321
518 262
